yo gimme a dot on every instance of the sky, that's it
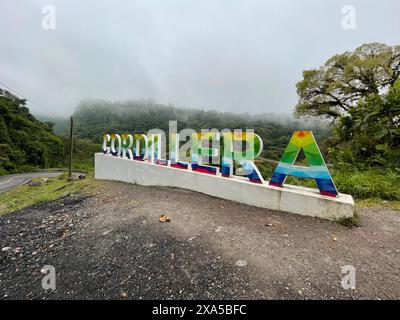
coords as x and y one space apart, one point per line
226 55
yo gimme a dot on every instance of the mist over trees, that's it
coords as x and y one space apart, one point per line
93 118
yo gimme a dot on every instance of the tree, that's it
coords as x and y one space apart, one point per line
372 130
334 89
4 136
24 141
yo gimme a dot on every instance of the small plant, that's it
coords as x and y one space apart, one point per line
354 221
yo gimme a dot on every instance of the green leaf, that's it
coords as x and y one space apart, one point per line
380 134
381 147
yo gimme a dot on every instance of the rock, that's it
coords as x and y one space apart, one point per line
241 263
106 232
35 183
4 249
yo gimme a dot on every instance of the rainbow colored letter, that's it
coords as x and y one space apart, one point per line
317 170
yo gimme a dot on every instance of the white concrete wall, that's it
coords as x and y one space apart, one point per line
293 199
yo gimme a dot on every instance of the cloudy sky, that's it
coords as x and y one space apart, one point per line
237 55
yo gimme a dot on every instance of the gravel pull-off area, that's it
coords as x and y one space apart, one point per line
112 245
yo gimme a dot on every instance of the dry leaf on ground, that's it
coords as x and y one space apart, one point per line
164 218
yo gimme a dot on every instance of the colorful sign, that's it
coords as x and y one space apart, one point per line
223 155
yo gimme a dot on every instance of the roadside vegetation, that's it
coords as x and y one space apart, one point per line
54 188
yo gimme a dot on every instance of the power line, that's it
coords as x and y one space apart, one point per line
31 102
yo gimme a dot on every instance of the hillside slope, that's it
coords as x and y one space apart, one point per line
25 142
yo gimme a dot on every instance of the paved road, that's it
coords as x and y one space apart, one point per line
11 181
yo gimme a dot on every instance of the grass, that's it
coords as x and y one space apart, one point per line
354 221
25 195
370 184
368 188
376 202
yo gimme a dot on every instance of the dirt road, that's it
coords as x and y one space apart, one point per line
112 245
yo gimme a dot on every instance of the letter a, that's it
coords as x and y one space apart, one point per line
317 170
49 280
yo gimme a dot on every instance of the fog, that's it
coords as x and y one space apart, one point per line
227 55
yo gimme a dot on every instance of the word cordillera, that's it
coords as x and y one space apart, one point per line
149 147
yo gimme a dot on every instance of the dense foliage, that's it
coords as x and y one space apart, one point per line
370 134
25 142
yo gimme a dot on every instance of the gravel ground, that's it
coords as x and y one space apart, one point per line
111 245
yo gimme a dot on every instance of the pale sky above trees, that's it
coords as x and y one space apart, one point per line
242 56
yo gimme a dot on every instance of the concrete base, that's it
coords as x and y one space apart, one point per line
293 199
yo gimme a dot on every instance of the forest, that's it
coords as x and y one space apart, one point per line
94 118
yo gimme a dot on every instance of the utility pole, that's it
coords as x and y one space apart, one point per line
71 131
